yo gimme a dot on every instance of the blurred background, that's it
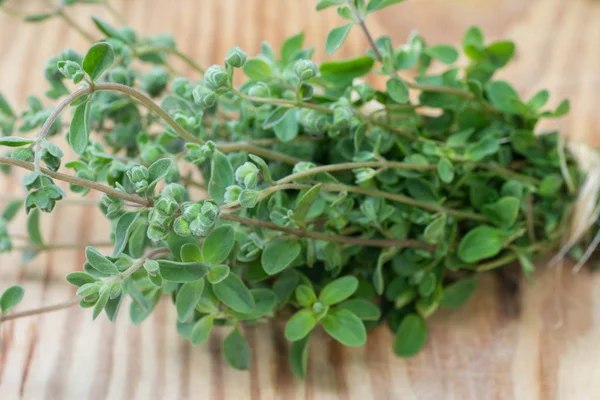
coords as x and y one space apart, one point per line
535 347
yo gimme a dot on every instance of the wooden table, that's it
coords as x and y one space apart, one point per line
541 343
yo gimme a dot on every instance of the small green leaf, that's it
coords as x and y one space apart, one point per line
236 350
397 90
191 252
499 53
503 212
5 108
217 273
279 254
264 168
504 97
410 336
300 324
102 301
299 357
456 294
338 290
218 244
37 17
201 330
375 5
181 272
265 301
305 295
276 116
345 327
445 170
435 230
33 227
123 231
221 176
99 262
290 46
98 59
479 243
108 30
305 202
79 131
139 314
11 210
323 4
11 297
336 37
234 294
257 69
343 72
362 308
550 185
188 296
159 169
112 307
286 128
442 52
80 278
487 146
15 141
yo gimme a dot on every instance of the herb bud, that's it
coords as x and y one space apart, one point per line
156 232
216 78
71 70
260 90
174 191
247 175
204 97
232 193
305 69
166 205
236 57
155 81
182 87
139 175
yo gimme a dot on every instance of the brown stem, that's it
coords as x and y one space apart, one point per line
41 310
324 236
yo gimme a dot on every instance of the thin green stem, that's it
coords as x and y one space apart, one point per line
79 181
40 310
164 49
327 237
139 263
505 172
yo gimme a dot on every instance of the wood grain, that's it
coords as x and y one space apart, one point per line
547 350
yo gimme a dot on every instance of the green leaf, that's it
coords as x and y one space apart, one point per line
485 147
221 176
11 297
139 314
102 301
112 307
33 227
473 37
338 290
445 170
234 294
217 273
336 37
158 170
98 59
257 69
286 129
362 308
37 17
236 350
99 262
188 296
442 52
410 336
503 212
343 72
15 141
265 301
456 294
108 30
480 243
218 244
123 231
305 295
375 5
299 357
79 131
290 47
397 90
279 254
191 252
264 168
322 4
300 324
550 185
181 272
527 267
504 97
201 330
5 108
435 230
80 278
305 202
499 53
345 327
11 210
276 116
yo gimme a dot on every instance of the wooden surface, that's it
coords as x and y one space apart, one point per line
541 343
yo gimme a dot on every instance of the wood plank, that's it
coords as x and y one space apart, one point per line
483 351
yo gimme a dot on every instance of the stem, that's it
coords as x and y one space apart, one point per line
169 50
69 21
506 172
355 165
140 261
512 256
259 151
79 181
324 236
60 246
41 310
